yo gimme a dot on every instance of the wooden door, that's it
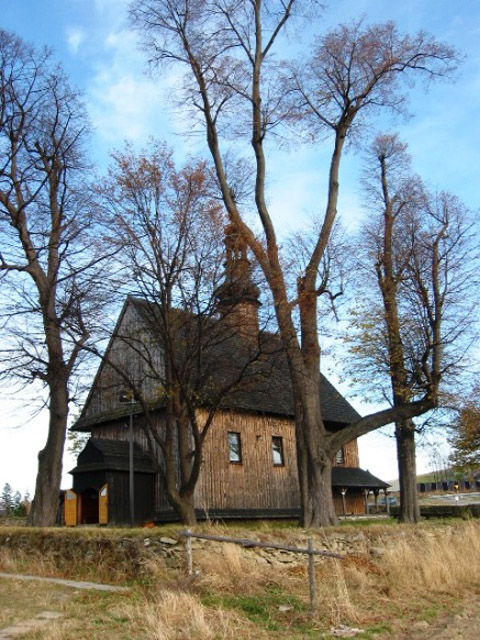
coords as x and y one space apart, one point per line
103 505
71 506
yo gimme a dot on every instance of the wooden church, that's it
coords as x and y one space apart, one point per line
249 463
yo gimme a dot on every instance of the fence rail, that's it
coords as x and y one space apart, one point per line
247 543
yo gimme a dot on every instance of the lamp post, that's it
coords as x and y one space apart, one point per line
367 509
343 492
128 396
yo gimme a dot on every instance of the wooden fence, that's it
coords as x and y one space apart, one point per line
247 543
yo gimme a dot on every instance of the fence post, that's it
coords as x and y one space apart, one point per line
311 572
188 548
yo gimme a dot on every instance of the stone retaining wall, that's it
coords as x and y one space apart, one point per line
66 553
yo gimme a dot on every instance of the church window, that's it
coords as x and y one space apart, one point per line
234 447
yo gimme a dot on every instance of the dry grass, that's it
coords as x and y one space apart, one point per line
231 569
337 595
175 616
422 570
31 562
89 554
20 601
445 562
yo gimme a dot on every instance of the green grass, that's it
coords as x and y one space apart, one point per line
432 611
370 633
368 522
264 608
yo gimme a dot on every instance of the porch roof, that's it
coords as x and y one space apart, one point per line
346 477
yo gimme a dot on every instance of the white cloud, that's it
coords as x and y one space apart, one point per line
75 37
123 102
123 106
122 42
108 6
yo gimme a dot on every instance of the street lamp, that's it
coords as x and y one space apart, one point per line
387 500
367 509
124 397
343 492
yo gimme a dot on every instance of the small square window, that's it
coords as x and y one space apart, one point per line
340 457
234 447
277 451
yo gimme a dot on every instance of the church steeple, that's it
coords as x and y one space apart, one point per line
238 294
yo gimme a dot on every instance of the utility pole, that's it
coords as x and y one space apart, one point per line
128 396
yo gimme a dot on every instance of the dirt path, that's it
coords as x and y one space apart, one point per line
66 583
43 619
53 596
461 626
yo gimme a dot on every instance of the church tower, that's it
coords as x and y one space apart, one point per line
238 294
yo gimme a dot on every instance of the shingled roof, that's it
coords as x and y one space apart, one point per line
355 477
272 393
112 455
266 388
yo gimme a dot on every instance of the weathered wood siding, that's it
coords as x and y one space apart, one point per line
255 483
118 430
132 350
354 502
92 479
119 497
350 455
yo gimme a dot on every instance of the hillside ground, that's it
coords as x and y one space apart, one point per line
415 583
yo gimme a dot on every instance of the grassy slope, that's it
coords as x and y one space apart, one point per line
421 573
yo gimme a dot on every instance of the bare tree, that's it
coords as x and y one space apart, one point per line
413 328
232 81
46 260
177 361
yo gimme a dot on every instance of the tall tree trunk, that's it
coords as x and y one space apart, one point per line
315 477
185 509
183 504
407 470
302 471
315 466
318 507
323 509
49 474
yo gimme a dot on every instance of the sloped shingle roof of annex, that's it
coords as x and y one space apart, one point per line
267 388
112 455
355 477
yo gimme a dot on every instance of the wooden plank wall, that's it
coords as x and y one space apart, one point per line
350 455
255 483
354 502
118 431
119 497
135 351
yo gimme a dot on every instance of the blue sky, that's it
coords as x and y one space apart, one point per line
99 53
